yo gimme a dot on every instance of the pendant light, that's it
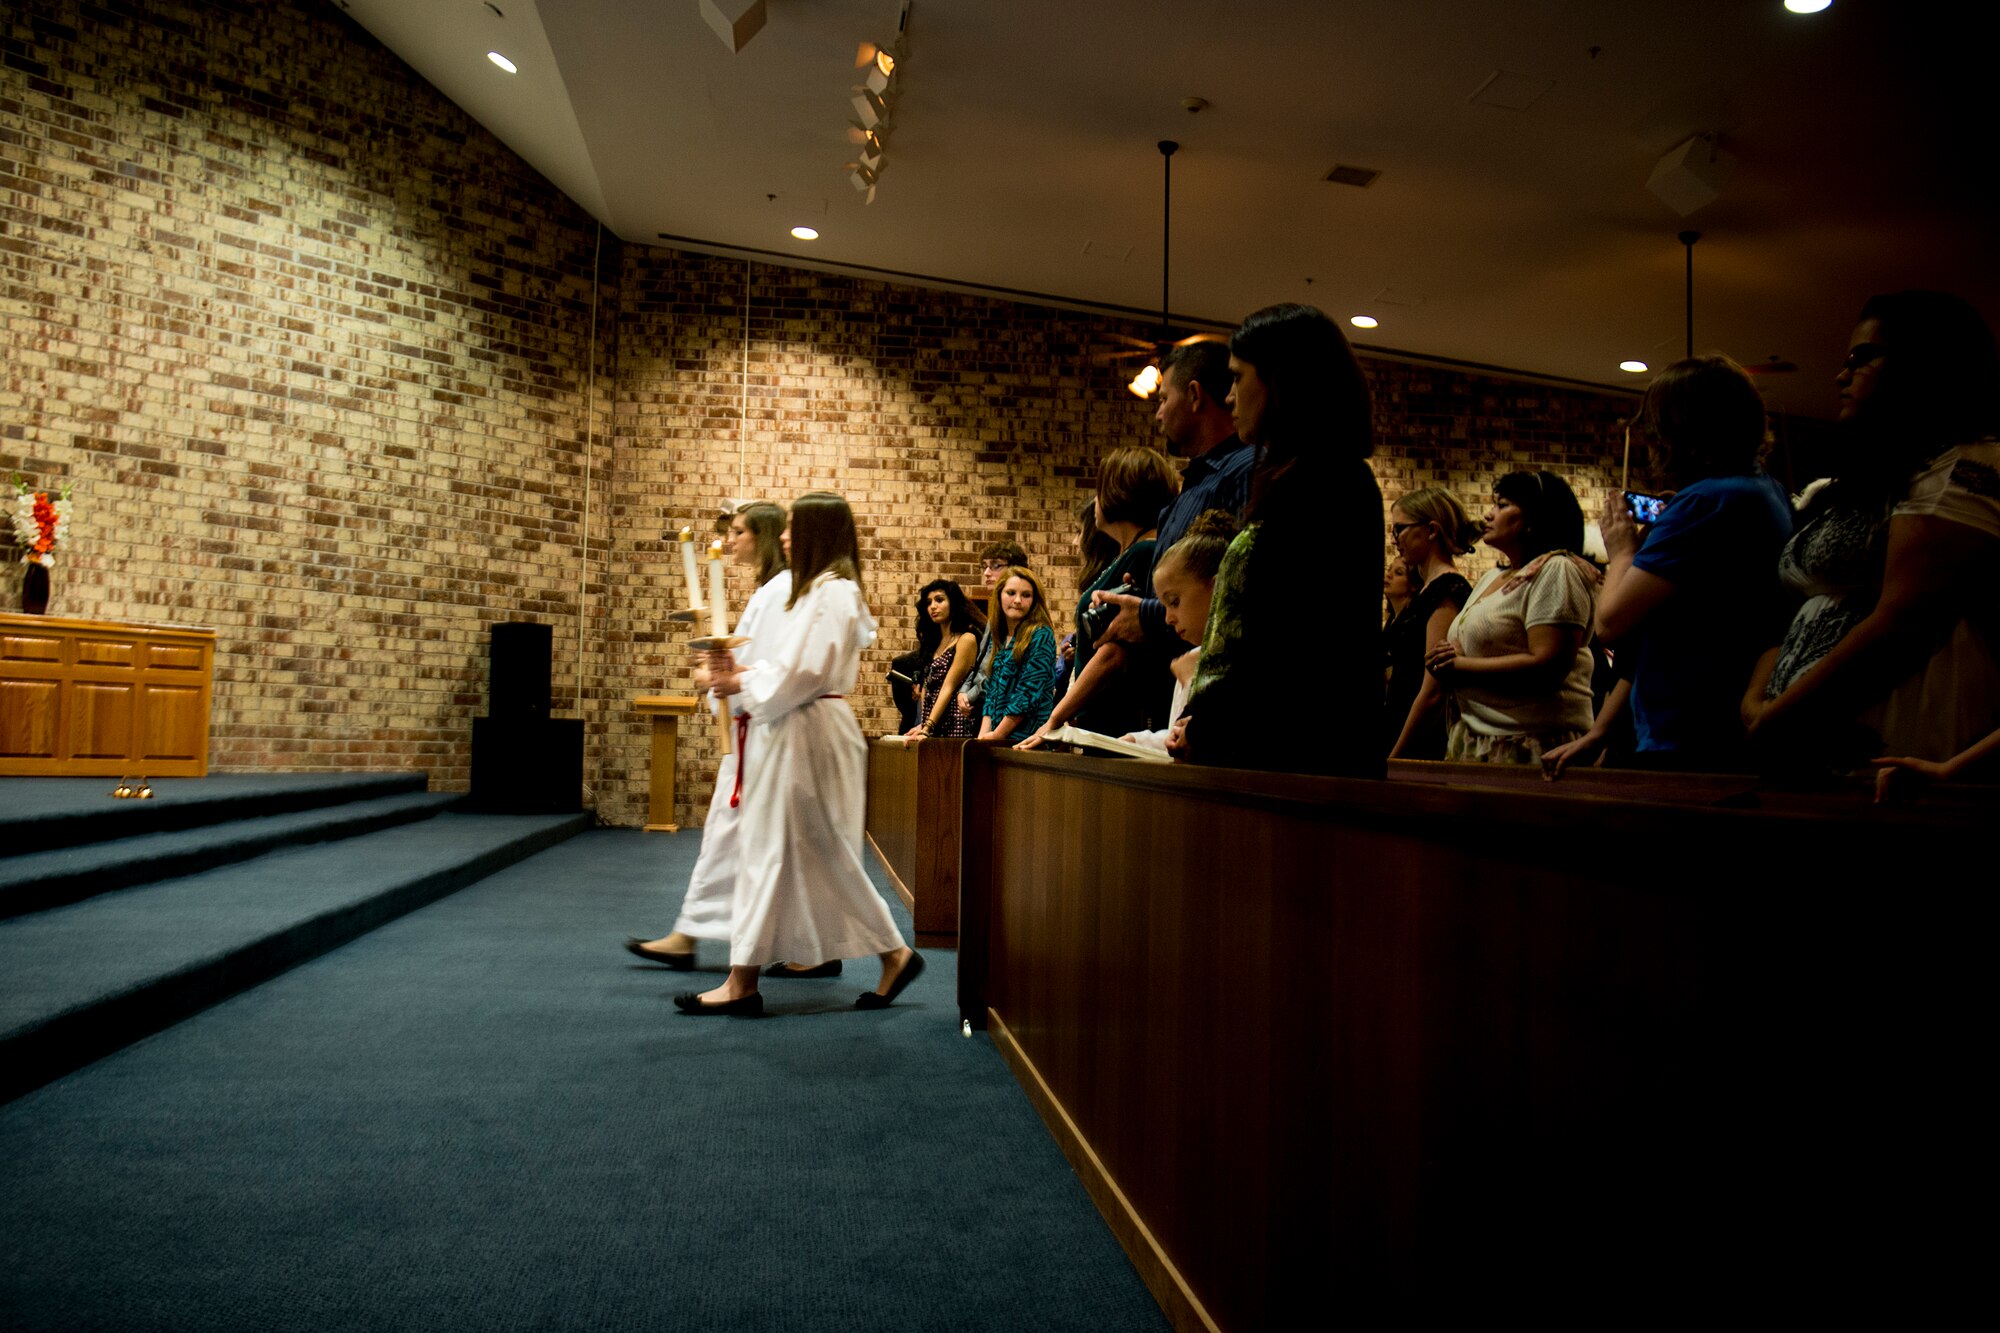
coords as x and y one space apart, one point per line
1148 379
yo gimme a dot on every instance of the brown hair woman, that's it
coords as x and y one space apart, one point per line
802 892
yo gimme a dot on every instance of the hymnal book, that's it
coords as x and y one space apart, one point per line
1095 740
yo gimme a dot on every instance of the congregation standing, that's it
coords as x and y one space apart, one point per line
1225 620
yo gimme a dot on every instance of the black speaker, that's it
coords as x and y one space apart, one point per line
527 766
518 673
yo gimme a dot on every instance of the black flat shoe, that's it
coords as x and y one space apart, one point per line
679 962
797 973
750 1006
911 971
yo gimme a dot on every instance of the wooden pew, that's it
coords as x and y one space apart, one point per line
1368 1048
912 823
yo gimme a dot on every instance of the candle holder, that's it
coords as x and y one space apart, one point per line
716 643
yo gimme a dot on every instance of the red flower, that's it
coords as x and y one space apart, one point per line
45 519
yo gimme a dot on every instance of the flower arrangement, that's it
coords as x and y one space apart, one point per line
40 523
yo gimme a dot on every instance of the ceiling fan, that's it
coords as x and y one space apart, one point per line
1134 349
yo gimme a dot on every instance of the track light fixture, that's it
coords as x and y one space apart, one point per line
870 108
874 104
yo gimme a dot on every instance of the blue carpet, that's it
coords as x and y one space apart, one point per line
486 1115
84 979
39 880
39 813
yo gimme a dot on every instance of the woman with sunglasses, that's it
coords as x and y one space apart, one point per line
1893 649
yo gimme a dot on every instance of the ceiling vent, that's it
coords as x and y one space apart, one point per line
1359 177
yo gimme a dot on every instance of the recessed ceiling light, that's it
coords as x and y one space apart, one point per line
805 233
1635 367
503 62
1363 321
1807 6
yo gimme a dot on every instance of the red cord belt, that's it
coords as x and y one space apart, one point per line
742 744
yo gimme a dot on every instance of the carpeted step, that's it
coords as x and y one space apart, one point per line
41 880
85 979
37 814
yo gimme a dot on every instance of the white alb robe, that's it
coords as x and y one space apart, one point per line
705 911
802 891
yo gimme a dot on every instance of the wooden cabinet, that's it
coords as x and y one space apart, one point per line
81 698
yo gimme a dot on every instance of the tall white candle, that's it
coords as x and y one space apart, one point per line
687 567
718 613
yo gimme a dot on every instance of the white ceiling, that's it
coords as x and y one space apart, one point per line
1522 239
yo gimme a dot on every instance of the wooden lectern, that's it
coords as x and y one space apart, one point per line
665 710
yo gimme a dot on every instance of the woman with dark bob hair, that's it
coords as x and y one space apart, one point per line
1314 518
1689 600
947 644
1516 659
1894 647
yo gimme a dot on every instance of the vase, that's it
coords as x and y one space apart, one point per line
35 589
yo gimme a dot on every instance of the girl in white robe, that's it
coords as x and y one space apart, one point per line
756 538
802 890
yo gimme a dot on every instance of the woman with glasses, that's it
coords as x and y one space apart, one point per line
1893 649
1429 529
1516 660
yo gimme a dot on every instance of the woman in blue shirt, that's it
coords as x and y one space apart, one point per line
1689 600
1020 687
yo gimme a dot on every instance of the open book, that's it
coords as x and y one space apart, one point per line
1094 740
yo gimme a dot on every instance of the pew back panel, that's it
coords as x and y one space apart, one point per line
1315 1035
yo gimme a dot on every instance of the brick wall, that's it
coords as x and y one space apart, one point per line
316 357
310 350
